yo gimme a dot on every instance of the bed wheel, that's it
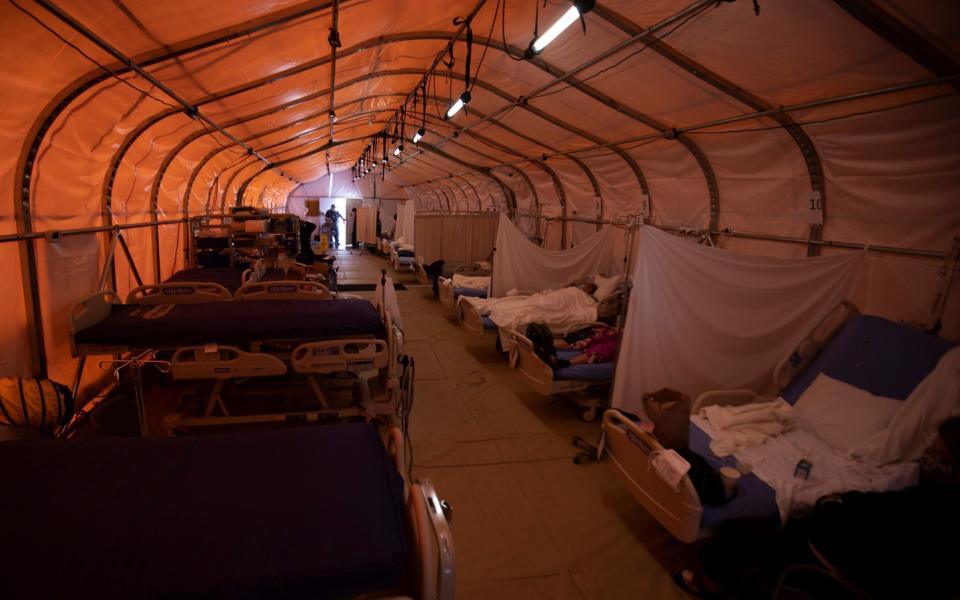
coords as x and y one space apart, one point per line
589 414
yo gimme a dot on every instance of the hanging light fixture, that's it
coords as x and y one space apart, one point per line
423 119
464 98
579 8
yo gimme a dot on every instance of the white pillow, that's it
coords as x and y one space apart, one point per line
842 415
605 286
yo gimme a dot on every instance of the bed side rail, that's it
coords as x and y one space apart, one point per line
335 356
422 277
810 347
284 290
223 362
470 317
445 287
179 293
728 398
630 450
431 520
88 312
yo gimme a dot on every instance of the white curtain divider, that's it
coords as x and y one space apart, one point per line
704 319
367 224
406 213
519 263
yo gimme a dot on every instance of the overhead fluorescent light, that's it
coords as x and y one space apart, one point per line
462 101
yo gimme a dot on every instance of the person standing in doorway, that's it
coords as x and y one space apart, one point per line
335 217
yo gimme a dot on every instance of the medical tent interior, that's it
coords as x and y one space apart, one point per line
585 299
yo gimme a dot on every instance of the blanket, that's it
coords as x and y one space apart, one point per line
465 281
557 309
914 425
775 458
746 426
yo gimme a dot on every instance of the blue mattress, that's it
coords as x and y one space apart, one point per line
313 512
136 326
596 371
871 353
470 292
877 355
488 324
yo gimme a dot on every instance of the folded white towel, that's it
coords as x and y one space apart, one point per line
748 425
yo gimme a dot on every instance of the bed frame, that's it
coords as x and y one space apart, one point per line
445 284
421 273
630 446
179 293
470 318
283 290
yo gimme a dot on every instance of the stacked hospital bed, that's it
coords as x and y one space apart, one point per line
313 512
872 354
289 329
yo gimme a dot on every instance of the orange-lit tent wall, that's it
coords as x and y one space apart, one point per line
692 114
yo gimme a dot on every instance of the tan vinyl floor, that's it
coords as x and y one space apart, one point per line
528 523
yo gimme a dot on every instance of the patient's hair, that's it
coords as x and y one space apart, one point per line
949 432
585 284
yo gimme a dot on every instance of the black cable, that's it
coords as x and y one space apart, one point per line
496 11
90 58
826 119
503 35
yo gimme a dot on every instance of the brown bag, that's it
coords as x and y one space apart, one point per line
669 411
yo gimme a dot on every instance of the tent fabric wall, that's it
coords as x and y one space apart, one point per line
519 264
81 148
704 319
455 237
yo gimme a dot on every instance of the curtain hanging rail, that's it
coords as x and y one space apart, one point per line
674 229
631 221
738 118
190 109
805 241
53 235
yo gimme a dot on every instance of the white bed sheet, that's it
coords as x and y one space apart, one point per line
466 281
557 309
774 462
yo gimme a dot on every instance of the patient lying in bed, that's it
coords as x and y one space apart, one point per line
599 347
558 309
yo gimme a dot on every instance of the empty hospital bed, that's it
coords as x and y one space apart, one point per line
307 512
229 340
868 352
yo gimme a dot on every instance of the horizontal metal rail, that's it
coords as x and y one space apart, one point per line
627 220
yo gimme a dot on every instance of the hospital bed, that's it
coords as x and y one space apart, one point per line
402 256
271 333
868 352
222 284
449 290
306 512
471 318
574 378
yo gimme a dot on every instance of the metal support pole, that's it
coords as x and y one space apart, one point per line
133 265
108 265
